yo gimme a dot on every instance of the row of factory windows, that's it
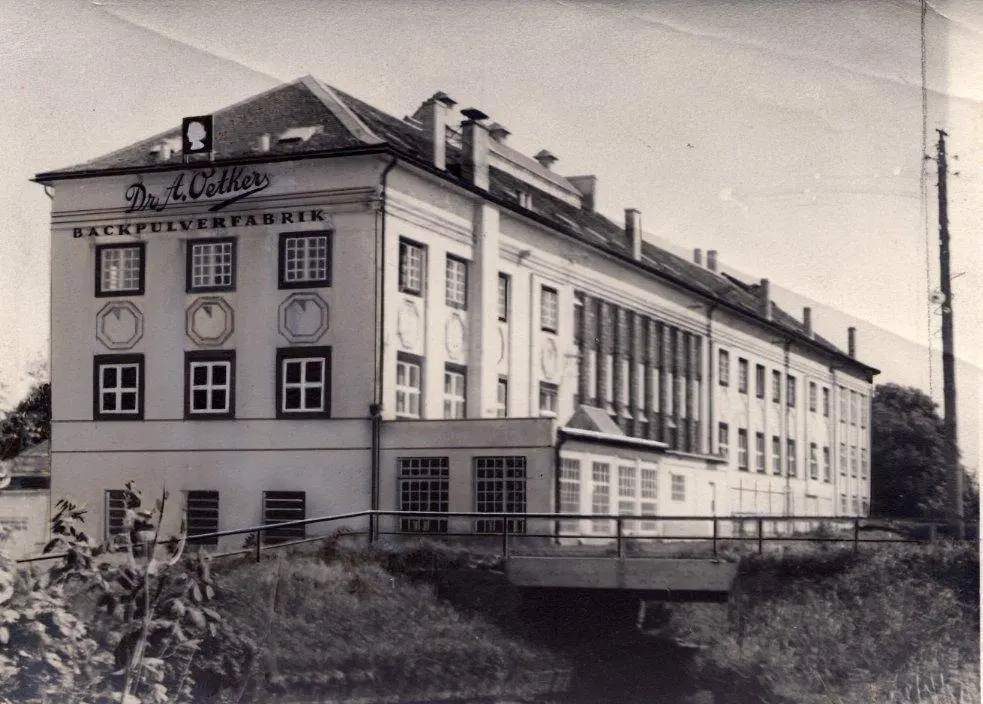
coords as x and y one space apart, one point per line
423 485
853 405
856 461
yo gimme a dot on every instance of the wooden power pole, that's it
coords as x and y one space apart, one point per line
954 477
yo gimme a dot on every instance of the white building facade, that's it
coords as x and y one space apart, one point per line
334 310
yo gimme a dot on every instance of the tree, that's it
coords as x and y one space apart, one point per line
908 458
28 423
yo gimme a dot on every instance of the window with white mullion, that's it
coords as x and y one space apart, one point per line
627 494
408 386
212 265
120 269
569 492
601 496
454 393
209 386
305 259
119 389
549 309
412 259
303 384
456 283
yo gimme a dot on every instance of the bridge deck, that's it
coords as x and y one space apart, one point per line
668 579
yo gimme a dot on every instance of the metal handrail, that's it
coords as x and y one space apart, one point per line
857 523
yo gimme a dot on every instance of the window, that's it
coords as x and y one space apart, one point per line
863 464
813 461
209 384
791 457
759 381
503 297
776 386
843 405
424 485
201 509
455 399
742 375
600 503
776 455
412 267
723 440
117 387
303 381
456 283
627 490
723 367
280 507
549 309
853 460
854 408
742 449
500 487
120 269
827 471
791 391
305 260
813 396
211 265
759 452
843 459
502 398
548 395
678 487
825 402
650 495
117 502
863 411
569 491
408 386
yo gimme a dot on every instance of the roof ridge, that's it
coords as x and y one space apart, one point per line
327 95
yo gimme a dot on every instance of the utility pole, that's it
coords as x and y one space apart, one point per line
954 478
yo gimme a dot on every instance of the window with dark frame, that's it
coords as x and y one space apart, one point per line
118 387
723 440
759 452
424 485
776 386
456 283
503 297
409 386
742 375
790 391
280 507
742 449
455 391
500 487
412 267
759 381
117 501
723 367
827 469
813 393
209 384
549 309
303 382
791 458
120 269
305 259
211 265
813 461
201 510
843 466
825 402
776 455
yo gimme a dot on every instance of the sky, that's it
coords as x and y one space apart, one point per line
786 135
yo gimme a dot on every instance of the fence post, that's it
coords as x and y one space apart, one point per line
259 539
856 535
714 536
620 542
761 535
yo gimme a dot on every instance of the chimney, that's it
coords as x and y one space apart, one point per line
698 256
498 132
851 342
712 259
633 229
474 139
545 159
807 320
764 299
433 117
587 185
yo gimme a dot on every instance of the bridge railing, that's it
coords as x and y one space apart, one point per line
577 535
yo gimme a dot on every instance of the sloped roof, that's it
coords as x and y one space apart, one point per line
346 123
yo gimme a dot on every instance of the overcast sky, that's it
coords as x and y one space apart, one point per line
786 135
